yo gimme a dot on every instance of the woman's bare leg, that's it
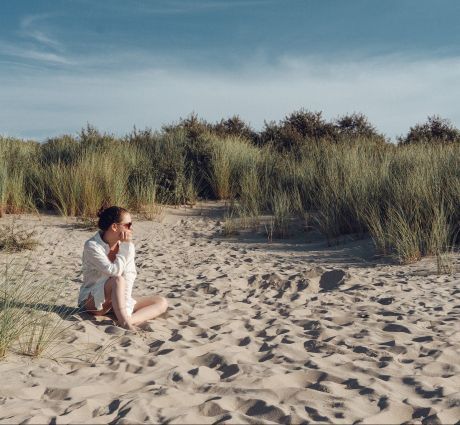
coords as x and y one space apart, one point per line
114 292
118 285
91 308
147 308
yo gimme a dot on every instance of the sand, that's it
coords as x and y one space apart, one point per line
257 332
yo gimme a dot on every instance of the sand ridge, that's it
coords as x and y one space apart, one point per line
257 332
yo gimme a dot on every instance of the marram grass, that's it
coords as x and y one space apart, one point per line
407 197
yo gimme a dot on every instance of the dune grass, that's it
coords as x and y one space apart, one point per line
31 321
406 197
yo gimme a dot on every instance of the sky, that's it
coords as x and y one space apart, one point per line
116 64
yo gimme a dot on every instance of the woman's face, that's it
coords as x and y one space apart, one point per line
125 224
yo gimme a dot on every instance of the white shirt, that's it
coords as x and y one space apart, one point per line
97 268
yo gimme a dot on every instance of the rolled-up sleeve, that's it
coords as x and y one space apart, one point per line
99 260
130 272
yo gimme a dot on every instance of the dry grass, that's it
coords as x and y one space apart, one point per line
152 212
87 223
31 321
15 238
407 198
34 323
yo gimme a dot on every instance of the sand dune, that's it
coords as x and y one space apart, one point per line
257 332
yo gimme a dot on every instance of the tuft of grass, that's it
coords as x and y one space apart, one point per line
443 240
14 238
3 189
145 200
281 209
81 188
404 236
153 212
231 225
45 330
32 322
270 229
377 229
87 223
230 160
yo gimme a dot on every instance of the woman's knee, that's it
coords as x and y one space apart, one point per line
163 303
117 281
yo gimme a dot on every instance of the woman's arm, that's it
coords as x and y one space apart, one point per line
98 258
130 272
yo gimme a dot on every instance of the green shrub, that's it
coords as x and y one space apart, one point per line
434 130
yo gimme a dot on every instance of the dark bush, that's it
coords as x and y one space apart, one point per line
310 125
235 126
356 125
296 129
193 126
434 130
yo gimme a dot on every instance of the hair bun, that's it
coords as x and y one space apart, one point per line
110 215
100 211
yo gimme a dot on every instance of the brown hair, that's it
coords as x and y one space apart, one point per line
110 215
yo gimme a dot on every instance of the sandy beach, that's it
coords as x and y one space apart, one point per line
257 332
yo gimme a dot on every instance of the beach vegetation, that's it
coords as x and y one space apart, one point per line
16 238
32 322
435 130
339 177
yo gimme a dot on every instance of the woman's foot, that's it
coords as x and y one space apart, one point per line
127 325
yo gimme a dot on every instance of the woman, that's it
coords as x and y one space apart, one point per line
109 272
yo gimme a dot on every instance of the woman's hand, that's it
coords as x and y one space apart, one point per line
126 235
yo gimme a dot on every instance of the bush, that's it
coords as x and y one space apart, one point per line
304 127
295 129
235 127
193 126
435 130
354 126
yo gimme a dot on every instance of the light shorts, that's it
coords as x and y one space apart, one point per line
97 291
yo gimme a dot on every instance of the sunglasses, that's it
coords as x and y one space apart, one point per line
127 225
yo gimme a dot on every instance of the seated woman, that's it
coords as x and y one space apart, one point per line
109 272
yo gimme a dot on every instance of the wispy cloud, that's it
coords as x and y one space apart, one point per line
32 27
36 43
33 53
172 7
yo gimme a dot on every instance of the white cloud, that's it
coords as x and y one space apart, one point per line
32 53
393 92
37 44
172 7
33 27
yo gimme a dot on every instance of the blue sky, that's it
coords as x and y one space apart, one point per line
120 63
